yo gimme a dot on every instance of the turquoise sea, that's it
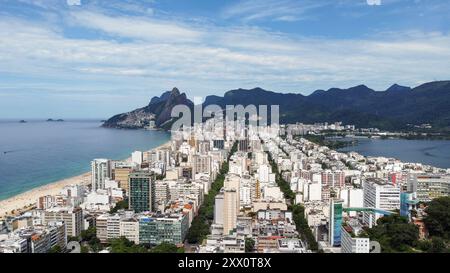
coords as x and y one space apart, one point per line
38 152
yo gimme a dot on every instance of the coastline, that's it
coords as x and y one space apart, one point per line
27 200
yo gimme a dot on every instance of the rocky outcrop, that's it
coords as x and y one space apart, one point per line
157 114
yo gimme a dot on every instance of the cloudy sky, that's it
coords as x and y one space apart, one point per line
95 58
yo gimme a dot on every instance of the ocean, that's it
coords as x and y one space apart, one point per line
431 152
36 153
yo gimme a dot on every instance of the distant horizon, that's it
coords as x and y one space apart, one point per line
145 102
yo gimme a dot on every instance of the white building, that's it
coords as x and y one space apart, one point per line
129 228
137 157
379 194
351 243
272 192
100 170
263 173
218 209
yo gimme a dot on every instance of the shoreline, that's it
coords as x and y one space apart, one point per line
25 201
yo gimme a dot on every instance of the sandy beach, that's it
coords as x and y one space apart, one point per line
25 201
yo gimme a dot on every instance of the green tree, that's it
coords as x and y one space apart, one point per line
88 234
298 212
200 225
90 237
123 245
73 238
55 249
166 248
120 205
394 234
438 245
249 245
84 249
437 220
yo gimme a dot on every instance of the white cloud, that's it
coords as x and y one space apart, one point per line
209 58
74 2
285 10
373 2
135 27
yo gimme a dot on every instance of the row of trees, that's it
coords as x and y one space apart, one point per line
201 224
284 186
298 211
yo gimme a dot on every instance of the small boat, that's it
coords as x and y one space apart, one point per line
23 121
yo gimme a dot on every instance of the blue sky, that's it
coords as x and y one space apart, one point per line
94 58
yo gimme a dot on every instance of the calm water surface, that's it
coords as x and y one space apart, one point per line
40 152
431 152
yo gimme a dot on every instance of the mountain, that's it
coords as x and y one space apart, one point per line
393 108
158 112
398 88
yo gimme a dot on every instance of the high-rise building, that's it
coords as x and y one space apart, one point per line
156 229
218 209
121 176
137 157
58 235
72 217
100 170
201 164
429 186
219 144
333 179
334 228
233 182
129 228
263 173
162 193
142 191
101 227
243 145
408 202
230 211
379 194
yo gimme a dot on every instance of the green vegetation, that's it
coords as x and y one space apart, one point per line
167 248
73 238
202 222
55 249
89 236
159 177
438 218
249 245
437 223
123 245
284 186
298 210
332 144
120 205
395 234
434 245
